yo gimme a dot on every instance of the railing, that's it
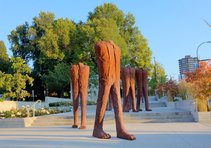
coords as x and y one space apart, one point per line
33 107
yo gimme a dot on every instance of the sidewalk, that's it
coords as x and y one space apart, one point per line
149 135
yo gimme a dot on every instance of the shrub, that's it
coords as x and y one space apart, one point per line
22 113
58 104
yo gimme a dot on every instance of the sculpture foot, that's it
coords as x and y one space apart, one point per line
126 136
101 134
82 127
74 126
148 110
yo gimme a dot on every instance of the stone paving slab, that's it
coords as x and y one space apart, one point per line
150 135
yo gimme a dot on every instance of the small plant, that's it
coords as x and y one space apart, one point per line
62 104
91 102
22 113
59 104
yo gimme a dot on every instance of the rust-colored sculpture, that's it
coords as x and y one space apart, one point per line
128 82
108 60
141 79
80 76
109 105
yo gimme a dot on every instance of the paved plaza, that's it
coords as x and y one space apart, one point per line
149 135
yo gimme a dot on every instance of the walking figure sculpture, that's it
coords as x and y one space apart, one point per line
128 82
109 104
108 62
79 75
141 79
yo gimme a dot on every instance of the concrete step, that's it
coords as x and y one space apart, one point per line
155 116
152 98
154 104
16 122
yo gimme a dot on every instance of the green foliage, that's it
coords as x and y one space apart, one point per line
107 29
49 42
158 76
22 113
21 42
49 46
107 11
14 84
59 104
4 58
89 102
58 79
110 23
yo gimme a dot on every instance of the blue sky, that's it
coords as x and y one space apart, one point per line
173 28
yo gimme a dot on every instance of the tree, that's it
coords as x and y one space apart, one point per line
45 43
111 23
170 87
107 29
158 76
14 84
4 58
201 80
49 41
21 42
58 79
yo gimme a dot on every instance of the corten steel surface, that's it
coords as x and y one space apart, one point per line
79 76
108 61
128 82
109 105
141 80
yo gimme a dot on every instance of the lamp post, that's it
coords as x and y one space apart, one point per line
197 55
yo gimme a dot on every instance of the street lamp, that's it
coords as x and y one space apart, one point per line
198 50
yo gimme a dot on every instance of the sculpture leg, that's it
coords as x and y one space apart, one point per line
145 94
83 96
133 98
138 101
103 94
83 84
121 133
75 107
109 105
126 103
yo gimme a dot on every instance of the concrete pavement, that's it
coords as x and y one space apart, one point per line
149 135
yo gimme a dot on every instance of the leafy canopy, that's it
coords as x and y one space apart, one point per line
14 84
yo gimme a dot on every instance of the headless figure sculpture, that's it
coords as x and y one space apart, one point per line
141 79
79 76
128 81
108 60
109 105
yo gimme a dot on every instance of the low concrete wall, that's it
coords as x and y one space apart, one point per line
204 117
188 105
8 105
16 122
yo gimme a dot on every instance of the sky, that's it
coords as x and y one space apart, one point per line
173 28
